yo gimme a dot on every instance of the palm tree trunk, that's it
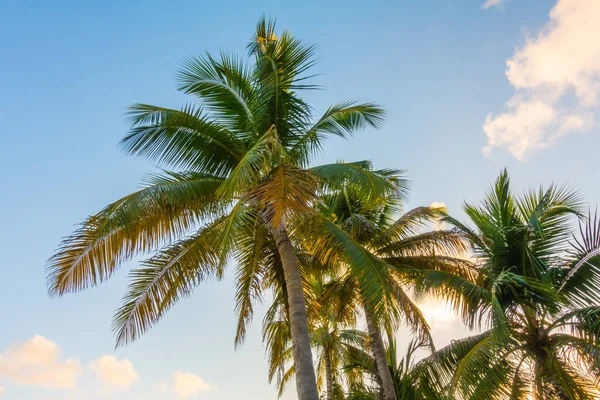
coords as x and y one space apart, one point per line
306 384
387 384
328 374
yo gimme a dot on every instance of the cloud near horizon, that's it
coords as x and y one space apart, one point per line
113 372
186 385
39 362
556 78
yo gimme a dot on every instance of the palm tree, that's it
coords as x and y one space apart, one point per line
238 177
536 294
395 248
331 325
404 375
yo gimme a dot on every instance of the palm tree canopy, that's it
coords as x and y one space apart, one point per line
236 165
535 291
382 249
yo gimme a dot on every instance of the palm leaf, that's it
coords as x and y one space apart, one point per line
184 138
225 87
137 223
165 278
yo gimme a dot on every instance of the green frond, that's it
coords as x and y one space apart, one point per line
565 381
412 316
186 139
281 60
279 71
359 176
437 372
409 223
443 242
480 247
581 277
137 223
332 245
342 119
584 322
165 278
285 380
466 297
578 351
254 165
255 252
225 87
412 267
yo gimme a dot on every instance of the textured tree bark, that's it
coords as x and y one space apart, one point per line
387 384
328 374
306 383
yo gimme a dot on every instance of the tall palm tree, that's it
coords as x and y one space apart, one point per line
535 295
238 177
396 248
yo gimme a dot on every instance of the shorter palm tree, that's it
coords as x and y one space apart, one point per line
536 292
375 255
331 322
360 365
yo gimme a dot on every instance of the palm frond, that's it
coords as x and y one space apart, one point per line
137 223
582 274
332 245
342 119
253 166
436 372
225 87
255 253
466 297
165 278
410 223
185 139
412 316
361 178
443 242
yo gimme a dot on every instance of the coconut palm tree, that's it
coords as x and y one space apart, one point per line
396 248
237 175
404 375
535 296
331 325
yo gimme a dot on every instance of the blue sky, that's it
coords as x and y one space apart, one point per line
70 68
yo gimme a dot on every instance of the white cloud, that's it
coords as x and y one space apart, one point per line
492 3
113 372
186 385
556 77
438 204
38 362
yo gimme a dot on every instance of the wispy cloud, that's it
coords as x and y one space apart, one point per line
39 362
556 78
492 3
